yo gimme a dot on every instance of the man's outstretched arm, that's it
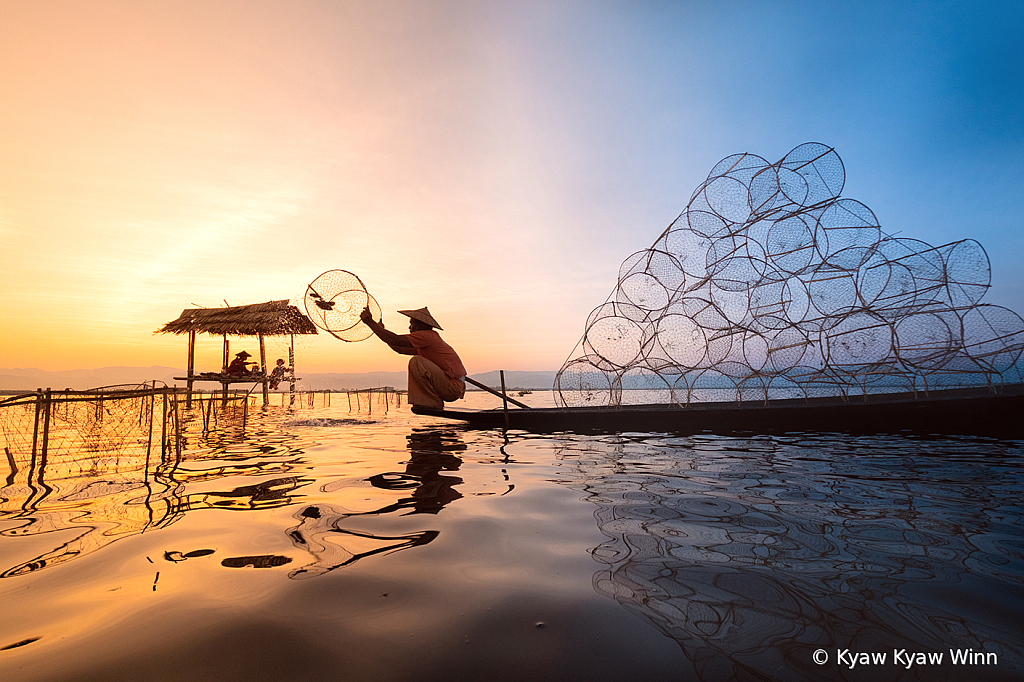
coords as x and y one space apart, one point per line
397 342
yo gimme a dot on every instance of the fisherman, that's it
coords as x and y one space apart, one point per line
436 373
238 366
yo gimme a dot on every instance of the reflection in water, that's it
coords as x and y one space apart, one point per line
430 454
138 492
749 554
104 498
319 531
264 495
753 553
176 556
261 561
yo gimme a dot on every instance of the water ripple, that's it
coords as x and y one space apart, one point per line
751 553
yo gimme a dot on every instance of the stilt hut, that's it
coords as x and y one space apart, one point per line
273 318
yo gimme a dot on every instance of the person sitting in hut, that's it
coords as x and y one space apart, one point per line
277 375
238 367
436 374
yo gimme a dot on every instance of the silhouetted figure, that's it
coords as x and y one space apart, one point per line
436 374
278 374
238 366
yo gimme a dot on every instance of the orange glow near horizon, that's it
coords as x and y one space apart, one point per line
159 159
494 161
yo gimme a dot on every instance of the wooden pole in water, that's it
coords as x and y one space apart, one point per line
191 366
46 441
149 440
35 427
177 426
142 400
46 431
202 413
291 366
149 445
224 369
263 365
163 424
504 397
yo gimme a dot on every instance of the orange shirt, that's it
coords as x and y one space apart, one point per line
430 345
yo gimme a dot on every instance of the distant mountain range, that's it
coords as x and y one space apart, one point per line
29 379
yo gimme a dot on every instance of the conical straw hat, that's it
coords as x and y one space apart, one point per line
423 315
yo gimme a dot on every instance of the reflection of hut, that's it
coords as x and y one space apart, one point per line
273 318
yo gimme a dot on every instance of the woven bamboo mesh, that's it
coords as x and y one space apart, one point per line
112 462
334 301
770 285
75 433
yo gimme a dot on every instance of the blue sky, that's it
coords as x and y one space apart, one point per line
923 101
493 160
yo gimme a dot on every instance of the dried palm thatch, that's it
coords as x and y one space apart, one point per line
273 318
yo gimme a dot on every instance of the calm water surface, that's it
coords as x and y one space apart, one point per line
323 543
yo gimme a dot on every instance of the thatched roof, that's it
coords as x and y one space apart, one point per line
273 318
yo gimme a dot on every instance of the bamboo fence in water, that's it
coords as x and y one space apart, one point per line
122 427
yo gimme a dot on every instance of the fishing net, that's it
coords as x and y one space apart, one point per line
334 301
771 285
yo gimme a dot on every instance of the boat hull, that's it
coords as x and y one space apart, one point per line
961 412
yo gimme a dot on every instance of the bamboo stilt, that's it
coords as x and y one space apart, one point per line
291 365
149 440
177 427
163 426
263 366
504 397
191 366
46 430
35 428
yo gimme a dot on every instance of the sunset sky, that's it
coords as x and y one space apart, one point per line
493 160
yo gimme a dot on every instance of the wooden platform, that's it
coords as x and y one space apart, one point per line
222 379
970 412
225 379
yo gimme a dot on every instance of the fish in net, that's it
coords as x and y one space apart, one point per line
334 301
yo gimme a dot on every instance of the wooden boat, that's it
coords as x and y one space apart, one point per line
971 412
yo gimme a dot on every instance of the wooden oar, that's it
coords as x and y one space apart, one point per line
491 390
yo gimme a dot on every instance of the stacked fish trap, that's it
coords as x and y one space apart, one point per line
769 285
